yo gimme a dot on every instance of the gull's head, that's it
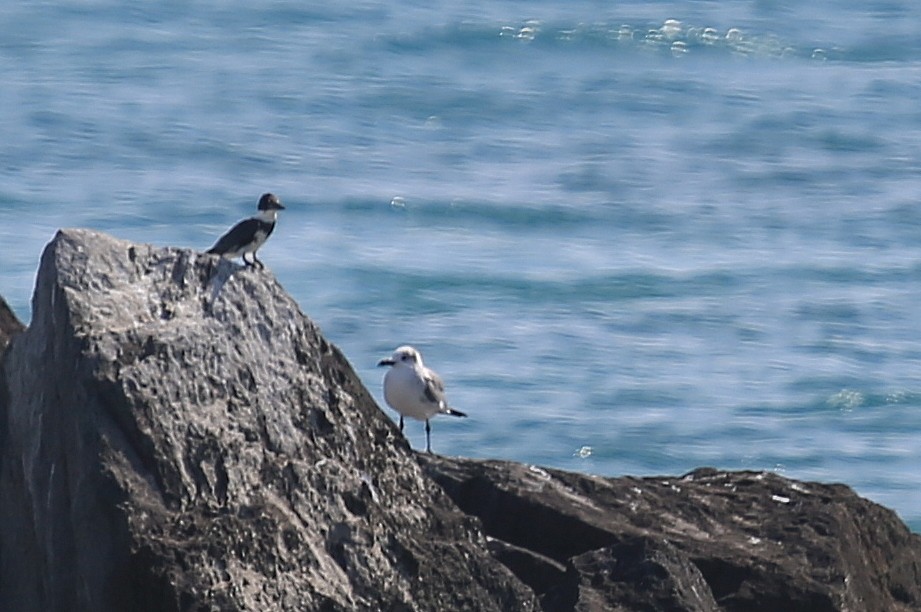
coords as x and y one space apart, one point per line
270 201
404 356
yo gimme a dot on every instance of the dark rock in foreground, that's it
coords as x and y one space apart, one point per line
176 435
709 540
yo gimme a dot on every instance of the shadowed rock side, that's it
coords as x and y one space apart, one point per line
177 435
9 324
709 540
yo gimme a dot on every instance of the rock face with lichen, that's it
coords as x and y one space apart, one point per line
176 435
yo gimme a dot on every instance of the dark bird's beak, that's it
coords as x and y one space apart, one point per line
385 362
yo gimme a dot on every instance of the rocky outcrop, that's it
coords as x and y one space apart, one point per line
9 324
176 435
709 540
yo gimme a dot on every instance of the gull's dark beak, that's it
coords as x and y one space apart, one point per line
385 362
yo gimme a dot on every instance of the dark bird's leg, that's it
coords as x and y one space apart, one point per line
428 437
256 262
401 422
246 262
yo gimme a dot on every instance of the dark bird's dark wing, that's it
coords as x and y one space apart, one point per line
237 237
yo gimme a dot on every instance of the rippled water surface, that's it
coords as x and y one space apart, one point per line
634 238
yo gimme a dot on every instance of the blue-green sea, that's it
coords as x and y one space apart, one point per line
633 237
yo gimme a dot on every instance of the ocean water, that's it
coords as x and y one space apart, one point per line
633 237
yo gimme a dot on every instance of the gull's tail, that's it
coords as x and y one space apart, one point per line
454 412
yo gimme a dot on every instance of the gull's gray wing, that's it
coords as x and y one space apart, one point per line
435 393
434 389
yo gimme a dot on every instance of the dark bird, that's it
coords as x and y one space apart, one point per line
250 234
414 390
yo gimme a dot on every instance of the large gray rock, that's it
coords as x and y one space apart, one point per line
176 435
738 541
